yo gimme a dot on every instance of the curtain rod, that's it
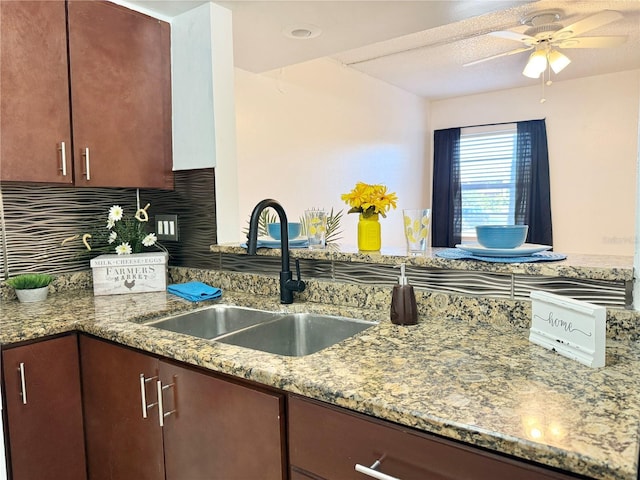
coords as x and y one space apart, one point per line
494 124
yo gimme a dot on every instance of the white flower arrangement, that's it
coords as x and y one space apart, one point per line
123 235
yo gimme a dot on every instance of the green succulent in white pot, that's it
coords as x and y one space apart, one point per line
31 287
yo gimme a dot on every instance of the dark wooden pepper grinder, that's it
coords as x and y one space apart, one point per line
404 310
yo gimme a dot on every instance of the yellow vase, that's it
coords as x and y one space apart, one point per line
369 239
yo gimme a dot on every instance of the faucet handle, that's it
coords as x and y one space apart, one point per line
298 269
296 285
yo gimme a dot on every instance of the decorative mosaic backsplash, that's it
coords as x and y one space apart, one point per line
35 219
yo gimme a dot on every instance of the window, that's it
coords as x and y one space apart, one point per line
487 176
505 170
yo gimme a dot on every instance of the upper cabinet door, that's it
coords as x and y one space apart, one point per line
35 134
120 64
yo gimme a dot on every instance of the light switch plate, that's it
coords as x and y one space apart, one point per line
167 227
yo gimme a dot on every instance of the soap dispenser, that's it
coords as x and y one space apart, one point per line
404 310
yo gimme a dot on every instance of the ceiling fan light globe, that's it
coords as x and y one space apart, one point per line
531 73
558 61
536 65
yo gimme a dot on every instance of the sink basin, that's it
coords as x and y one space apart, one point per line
214 321
290 334
296 334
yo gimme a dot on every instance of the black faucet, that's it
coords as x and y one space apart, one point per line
287 284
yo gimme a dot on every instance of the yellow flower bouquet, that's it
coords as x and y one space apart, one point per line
370 199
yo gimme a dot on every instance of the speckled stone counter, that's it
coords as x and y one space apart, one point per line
595 267
470 380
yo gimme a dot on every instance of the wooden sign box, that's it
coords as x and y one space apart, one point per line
135 273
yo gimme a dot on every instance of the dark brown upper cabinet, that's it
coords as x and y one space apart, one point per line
95 115
35 128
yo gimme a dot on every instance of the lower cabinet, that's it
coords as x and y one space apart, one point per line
44 410
147 418
151 418
329 443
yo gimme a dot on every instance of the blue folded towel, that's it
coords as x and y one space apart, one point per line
195 291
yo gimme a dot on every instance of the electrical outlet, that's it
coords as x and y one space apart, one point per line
167 227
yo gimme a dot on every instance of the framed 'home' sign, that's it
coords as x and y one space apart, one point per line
570 327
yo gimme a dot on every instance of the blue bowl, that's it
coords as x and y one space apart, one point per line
294 229
501 236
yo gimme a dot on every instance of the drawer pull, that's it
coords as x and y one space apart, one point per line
372 472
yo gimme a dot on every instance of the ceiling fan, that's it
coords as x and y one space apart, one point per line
545 36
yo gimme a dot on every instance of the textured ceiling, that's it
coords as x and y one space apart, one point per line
430 63
419 46
260 45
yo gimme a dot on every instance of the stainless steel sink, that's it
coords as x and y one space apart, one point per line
296 334
214 321
290 334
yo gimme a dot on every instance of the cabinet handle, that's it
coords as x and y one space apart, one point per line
63 159
143 394
23 384
87 171
161 413
372 472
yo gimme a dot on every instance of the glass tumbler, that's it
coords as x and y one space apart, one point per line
316 225
416 230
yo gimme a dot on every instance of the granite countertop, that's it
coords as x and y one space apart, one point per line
481 383
595 267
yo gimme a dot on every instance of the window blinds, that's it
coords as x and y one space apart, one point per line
487 176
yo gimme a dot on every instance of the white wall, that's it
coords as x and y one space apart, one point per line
307 133
592 132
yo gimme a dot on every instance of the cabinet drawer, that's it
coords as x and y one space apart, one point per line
328 442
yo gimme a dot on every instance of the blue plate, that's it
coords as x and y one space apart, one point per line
269 242
521 251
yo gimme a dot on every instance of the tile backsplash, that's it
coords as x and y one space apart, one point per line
35 219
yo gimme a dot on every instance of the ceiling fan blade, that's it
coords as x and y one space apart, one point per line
589 23
591 42
518 37
511 52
